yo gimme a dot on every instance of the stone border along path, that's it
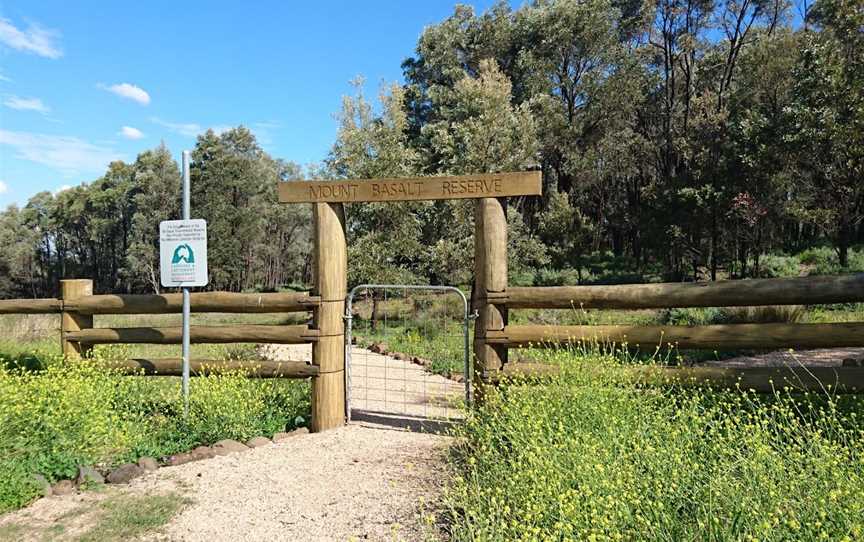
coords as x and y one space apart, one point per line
384 383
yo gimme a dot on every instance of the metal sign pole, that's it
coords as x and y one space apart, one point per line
186 301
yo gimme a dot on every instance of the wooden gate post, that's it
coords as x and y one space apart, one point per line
331 282
490 276
72 321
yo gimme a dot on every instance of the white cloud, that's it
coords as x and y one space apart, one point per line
26 104
131 133
3 187
4 78
128 90
189 129
67 154
264 131
35 39
62 188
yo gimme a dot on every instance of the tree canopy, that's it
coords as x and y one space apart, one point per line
681 138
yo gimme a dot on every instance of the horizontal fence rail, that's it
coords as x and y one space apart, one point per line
200 302
31 306
298 334
730 293
759 379
226 302
198 367
718 337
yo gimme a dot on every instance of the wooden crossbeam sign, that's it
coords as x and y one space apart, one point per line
487 185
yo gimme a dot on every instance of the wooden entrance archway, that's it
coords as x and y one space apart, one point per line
331 255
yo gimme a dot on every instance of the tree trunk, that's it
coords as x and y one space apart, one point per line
375 313
714 243
843 250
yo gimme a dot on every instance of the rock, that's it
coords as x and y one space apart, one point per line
401 356
852 362
378 348
458 377
44 485
202 452
148 463
89 475
124 473
418 361
277 437
257 442
228 446
63 487
179 459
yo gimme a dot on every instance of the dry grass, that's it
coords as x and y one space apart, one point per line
767 314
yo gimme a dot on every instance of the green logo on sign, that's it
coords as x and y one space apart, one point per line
183 253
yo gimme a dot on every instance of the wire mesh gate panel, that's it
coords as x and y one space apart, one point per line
407 351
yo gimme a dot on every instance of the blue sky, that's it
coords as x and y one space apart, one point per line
84 83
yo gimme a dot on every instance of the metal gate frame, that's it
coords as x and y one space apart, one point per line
349 318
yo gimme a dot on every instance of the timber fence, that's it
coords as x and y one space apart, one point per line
759 292
77 306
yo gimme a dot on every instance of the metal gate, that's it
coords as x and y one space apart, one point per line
409 352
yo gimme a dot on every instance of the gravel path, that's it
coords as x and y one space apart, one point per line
382 383
352 483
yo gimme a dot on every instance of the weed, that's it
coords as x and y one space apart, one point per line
593 454
81 413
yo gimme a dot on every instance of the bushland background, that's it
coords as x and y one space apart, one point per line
679 140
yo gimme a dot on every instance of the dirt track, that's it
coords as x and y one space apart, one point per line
821 357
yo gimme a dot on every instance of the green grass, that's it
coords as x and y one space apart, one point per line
112 519
428 326
594 455
126 517
442 345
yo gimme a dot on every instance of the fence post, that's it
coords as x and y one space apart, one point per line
490 276
331 282
71 289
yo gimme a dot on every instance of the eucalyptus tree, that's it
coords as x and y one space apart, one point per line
157 198
826 117
229 174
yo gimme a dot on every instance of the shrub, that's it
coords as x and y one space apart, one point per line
817 256
592 455
696 316
776 266
825 261
557 277
521 277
